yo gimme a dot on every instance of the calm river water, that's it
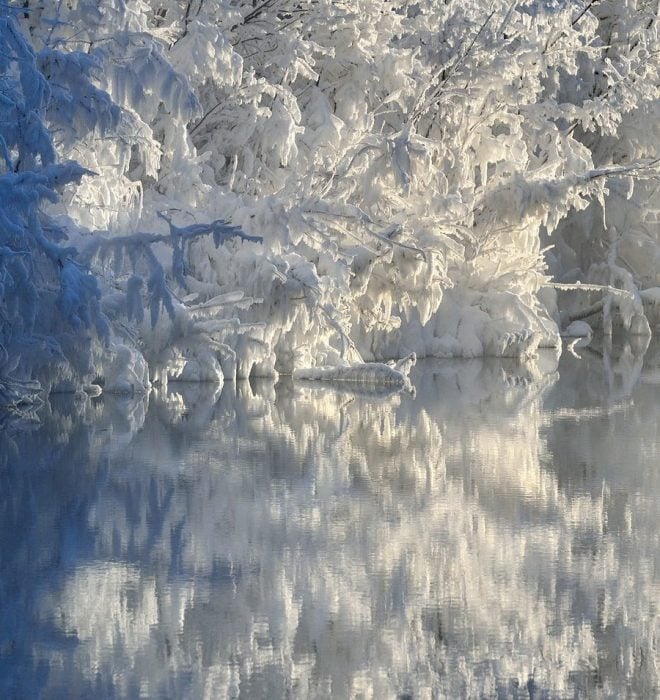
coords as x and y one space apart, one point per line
496 535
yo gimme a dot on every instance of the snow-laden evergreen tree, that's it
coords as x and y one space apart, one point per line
400 170
64 325
50 303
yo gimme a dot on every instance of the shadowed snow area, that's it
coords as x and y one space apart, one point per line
492 534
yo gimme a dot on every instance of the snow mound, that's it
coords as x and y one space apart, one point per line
372 373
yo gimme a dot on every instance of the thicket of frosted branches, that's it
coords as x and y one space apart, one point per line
203 189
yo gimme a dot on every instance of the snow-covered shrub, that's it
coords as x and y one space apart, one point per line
615 242
415 155
317 141
406 166
182 336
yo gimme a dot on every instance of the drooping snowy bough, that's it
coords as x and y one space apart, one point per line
301 185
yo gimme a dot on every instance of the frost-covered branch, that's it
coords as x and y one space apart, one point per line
394 174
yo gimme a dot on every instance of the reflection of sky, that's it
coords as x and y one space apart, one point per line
496 533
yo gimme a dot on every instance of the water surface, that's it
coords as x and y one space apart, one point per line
496 535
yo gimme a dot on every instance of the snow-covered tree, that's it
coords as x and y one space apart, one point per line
405 165
63 313
50 303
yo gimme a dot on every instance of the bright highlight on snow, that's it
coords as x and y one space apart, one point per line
208 190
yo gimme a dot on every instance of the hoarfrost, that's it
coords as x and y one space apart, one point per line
378 182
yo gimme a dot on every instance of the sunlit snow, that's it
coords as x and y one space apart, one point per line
366 180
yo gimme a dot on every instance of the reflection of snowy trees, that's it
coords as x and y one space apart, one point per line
315 543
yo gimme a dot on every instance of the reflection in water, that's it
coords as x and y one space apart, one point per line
495 535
